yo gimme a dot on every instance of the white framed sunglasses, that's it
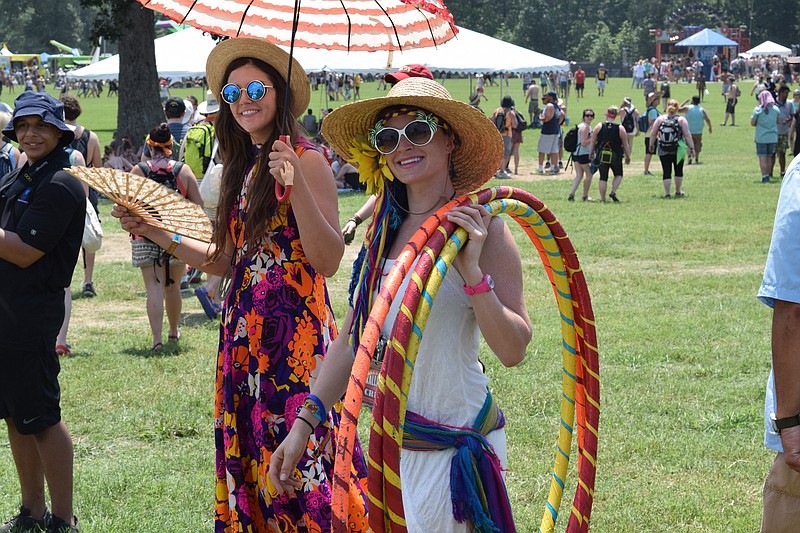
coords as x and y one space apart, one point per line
417 132
256 90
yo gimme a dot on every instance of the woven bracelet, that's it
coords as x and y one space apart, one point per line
316 408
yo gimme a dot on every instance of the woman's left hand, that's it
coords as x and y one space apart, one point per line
475 220
282 153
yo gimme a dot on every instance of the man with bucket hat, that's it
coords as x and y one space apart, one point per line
42 211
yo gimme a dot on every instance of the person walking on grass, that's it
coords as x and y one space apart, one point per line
161 271
608 149
697 118
765 119
651 113
42 212
731 99
666 136
601 77
581 159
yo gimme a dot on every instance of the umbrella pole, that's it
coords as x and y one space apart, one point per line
282 193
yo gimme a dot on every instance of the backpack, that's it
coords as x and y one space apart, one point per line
500 120
7 163
669 133
197 150
628 122
571 140
644 120
167 177
522 125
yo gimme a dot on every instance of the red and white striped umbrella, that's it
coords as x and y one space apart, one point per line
355 25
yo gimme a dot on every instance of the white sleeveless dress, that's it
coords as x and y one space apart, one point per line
447 387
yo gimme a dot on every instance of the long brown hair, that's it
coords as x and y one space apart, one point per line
238 155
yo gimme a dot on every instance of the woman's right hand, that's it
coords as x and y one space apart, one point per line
131 224
283 462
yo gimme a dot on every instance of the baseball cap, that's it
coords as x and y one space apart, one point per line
552 94
409 71
175 106
51 111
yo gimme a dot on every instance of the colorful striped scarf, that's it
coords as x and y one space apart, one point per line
477 489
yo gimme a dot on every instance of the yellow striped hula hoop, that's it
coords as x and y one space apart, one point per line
437 243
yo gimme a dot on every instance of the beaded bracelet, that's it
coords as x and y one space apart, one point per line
316 408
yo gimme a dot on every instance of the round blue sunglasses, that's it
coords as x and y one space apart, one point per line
256 90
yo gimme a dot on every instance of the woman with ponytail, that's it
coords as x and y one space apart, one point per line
670 131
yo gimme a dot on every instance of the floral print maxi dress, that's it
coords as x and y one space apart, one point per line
276 326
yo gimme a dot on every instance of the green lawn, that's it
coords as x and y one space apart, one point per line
684 353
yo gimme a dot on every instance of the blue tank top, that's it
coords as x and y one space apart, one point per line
694 116
551 126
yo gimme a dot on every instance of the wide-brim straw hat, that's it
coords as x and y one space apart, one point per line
479 148
237 47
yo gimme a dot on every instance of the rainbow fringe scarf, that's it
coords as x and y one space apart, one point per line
477 489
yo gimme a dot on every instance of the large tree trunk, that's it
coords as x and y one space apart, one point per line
139 103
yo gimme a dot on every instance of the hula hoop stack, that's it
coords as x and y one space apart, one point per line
437 243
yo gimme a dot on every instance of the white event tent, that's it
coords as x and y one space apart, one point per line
183 54
768 48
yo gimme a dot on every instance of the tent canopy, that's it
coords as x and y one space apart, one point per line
183 54
768 48
707 37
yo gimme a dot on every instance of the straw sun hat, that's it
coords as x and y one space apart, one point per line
232 49
479 147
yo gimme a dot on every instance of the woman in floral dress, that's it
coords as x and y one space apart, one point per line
276 322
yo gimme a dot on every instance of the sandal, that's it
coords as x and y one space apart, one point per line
174 338
157 347
63 350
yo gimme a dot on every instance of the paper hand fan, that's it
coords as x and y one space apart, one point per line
158 205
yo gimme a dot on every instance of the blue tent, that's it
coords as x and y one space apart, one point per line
707 37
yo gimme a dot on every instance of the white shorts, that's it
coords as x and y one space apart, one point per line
548 144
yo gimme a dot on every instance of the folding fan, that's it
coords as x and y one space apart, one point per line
158 205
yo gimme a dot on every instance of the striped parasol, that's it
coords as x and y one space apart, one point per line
437 242
353 25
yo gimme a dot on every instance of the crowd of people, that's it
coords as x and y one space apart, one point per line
672 130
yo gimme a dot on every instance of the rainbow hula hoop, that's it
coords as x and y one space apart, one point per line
437 242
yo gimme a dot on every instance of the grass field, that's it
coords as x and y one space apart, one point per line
683 343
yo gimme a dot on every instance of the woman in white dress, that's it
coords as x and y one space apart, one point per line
417 148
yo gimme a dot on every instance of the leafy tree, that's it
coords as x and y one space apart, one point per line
30 26
132 27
